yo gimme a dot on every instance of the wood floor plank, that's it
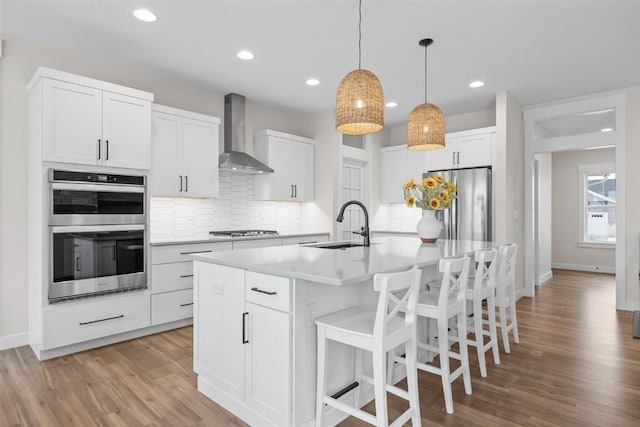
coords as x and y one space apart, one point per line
576 365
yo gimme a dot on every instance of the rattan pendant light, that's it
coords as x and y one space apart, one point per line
426 122
359 99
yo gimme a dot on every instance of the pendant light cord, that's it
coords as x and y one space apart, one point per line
359 34
425 74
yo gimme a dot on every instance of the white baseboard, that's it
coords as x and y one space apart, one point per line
13 341
589 268
519 294
545 277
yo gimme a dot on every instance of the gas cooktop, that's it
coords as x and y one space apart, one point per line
243 233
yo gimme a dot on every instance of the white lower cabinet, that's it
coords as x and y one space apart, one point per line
243 356
71 323
171 306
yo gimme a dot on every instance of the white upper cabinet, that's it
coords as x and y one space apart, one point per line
292 159
126 129
184 149
464 149
72 122
90 122
398 166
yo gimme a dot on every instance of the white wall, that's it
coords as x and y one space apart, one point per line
566 212
508 176
20 61
545 220
632 171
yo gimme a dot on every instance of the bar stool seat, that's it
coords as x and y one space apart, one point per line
377 331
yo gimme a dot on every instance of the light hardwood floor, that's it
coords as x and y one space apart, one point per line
576 364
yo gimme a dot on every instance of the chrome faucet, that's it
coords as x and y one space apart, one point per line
364 231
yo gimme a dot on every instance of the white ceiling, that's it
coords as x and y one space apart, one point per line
539 51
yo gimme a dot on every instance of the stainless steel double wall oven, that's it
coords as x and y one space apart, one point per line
98 237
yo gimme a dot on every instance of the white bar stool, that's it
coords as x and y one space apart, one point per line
378 332
438 306
484 287
506 293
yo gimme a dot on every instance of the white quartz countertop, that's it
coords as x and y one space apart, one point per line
343 266
164 241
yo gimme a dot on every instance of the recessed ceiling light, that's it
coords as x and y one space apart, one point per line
476 84
245 54
313 82
606 129
391 104
145 15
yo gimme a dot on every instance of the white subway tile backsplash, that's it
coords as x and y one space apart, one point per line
235 208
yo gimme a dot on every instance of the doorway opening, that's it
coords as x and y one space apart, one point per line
574 159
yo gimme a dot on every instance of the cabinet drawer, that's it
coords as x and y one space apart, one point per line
269 291
171 277
84 321
181 253
171 306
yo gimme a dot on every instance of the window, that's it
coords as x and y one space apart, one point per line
598 204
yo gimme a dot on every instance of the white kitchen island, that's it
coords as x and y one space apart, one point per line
254 313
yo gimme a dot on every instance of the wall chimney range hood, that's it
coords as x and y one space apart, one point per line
234 158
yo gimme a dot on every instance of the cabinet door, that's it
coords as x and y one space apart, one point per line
281 160
72 123
475 150
219 329
303 159
445 158
126 129
394 173
268 363
200 158
166 154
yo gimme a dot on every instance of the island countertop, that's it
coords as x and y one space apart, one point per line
343 266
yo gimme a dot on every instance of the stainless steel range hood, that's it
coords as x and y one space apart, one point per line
234 157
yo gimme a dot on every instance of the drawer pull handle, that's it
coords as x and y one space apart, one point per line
101 320
194 252
264 292
184 305
244 327
184 276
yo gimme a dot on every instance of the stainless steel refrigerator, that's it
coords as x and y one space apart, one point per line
469 217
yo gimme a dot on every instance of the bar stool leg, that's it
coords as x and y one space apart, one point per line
443 344
514 320
358 377
380 386
493 334
503 327
464 352
411 353
479 335
321 389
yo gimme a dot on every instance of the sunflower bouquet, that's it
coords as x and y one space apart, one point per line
434 193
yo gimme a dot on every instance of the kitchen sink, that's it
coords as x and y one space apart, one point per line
337 245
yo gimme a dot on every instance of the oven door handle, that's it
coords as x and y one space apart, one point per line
95 228
102 188
132 247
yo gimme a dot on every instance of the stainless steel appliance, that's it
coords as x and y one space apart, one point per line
98 238
84 198
243 233
469 217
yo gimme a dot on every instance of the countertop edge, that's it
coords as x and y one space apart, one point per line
196 241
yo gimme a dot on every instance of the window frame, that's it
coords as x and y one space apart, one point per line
583 172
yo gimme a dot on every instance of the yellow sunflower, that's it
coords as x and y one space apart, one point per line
451 187
438 178
409 184
430 183
434 203
410 201
444 196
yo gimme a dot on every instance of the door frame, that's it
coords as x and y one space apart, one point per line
533 146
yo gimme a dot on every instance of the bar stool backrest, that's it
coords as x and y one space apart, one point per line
391 304
485 269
